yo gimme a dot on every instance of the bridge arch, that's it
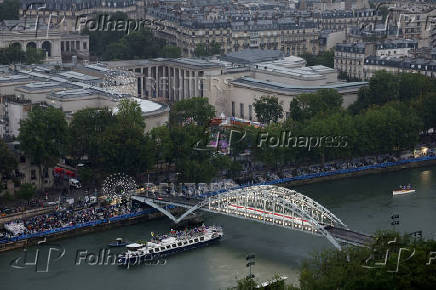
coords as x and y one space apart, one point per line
267 204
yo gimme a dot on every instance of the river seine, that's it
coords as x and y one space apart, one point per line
363 203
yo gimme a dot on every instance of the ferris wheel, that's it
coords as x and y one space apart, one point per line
118 185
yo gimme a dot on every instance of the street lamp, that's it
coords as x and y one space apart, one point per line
251 258
395 220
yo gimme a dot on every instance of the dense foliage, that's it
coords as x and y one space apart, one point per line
11 55
44 136
207 49
325 58
7 160
9 10
117 45
268 109
365 268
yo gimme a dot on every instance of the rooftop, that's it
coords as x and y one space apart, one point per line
250 56
250 82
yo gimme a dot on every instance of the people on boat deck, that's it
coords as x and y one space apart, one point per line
409 186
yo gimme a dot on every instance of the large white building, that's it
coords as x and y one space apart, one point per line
234 82
56 44
72 89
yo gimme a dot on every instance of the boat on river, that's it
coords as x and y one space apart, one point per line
165 245
119 242
403 190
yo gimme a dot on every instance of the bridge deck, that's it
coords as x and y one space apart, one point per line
340 234
350 236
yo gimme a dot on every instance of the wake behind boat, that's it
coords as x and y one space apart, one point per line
403 190
172 243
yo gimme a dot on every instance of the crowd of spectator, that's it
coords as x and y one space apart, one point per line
64 218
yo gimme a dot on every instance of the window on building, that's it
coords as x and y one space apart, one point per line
250 112
85 45
33 174
233 109
241 110
77 45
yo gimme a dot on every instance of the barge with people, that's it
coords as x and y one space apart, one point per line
175 242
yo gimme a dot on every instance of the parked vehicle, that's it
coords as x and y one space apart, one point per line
75 183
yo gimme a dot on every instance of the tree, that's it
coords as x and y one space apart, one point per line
384 87
426 109
86 128
171 51
129 114
123 147
356 267
209 49
8 161
9 10
44 136
99 41
413 85
34 55
15 54
10 55
194 109
268 109
306 106
386 129
325 58
26 191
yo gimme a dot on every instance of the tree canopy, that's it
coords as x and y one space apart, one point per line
12 54
385 87
207 49
306 106
268 109
44 136
325 58
9 10
197 110
8 161
363 268
117 45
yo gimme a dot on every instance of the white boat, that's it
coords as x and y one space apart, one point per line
166 245
403 191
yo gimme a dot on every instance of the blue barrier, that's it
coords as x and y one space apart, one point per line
78 226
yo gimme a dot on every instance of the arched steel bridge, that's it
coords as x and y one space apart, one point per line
267 204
